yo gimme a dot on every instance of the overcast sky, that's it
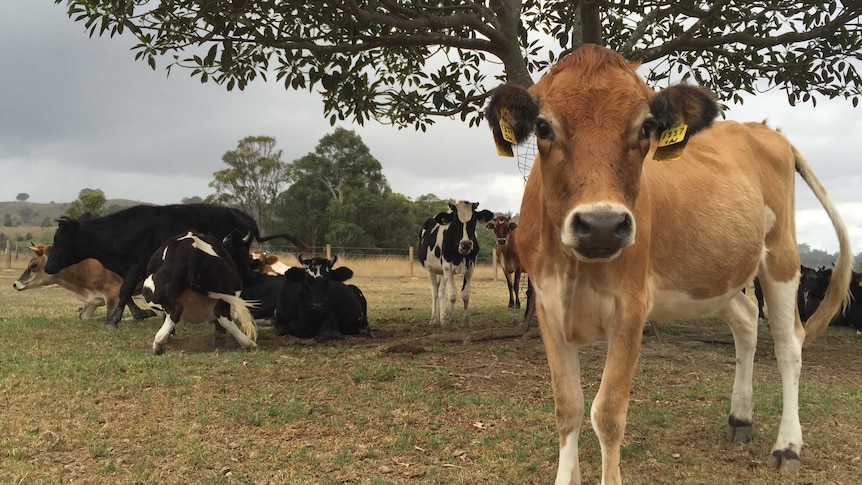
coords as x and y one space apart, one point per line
79 112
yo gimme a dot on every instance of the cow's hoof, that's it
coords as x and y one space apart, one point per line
739 431
785 461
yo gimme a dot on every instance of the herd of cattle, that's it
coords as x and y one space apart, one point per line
194 262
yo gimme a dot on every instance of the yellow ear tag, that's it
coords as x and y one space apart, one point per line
505 149
671 142
506 128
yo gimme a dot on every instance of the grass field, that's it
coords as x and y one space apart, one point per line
82 403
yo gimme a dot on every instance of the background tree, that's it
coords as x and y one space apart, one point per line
90 191
7 220
255 177
22 197
191 200
88 201
340 196
27 215
405 62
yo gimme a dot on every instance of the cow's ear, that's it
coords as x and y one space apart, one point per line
511 114
443 218
341 274
67 224
513 225
295 273
485 215
693 105
490 225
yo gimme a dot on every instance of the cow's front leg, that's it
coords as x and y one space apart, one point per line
434 278
611 404
134 275
449 280
173 312
565 368
466 289
139 313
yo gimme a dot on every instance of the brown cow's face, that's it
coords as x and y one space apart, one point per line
35 276
594 122
501 227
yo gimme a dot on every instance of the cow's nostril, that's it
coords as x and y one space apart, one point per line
582 229
625 228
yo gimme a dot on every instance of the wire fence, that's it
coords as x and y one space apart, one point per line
353 253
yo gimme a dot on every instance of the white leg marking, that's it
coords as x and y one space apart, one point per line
568 461
741 315
781 300
162 335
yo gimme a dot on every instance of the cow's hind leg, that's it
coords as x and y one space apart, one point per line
436 299
222 313
787 334
741 315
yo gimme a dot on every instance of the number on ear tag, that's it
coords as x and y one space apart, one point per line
506 129
674 134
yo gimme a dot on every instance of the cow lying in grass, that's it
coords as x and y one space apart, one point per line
315 302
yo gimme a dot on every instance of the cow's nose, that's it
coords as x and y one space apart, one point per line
501 241
601 233
465 247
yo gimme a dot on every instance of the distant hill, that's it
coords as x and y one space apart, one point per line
27 218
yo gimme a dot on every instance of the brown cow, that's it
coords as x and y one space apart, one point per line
613 237
507 255
88 280
267 263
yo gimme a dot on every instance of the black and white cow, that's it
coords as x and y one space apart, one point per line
448 246
192 277
316 303
123 241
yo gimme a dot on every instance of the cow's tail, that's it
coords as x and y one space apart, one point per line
241 308
837 295
289 237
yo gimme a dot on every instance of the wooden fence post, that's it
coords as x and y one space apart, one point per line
328 251
410 260
8 254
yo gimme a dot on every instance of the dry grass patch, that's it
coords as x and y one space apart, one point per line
87 404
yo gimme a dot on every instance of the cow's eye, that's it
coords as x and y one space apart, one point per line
543 129
648 126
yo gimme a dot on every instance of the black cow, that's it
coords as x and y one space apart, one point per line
193 278
448 246
124 241
316 303
852 315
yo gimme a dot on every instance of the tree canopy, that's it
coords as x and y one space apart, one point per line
406 62
254 178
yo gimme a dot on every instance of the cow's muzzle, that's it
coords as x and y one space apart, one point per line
464 247
501 241
599 232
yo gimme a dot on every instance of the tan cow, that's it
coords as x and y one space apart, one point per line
88 280
507 255
612 237
267 263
